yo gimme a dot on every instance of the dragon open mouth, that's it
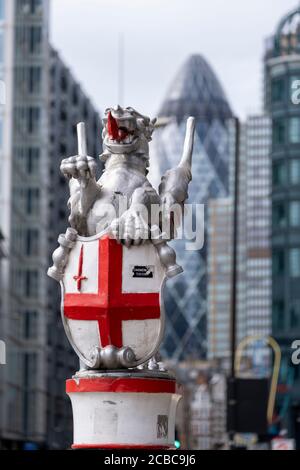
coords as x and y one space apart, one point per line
119 132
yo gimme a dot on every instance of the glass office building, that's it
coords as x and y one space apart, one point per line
38 114
254 254
195 91
282 73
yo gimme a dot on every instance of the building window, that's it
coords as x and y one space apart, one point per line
31 283
32 201
29 159
30 370
30 325
29 79
63 115
294 130
295 171
32 242
279 215
278 314
295 315
278 90
278 263
34 79
33 161
27 120
278 131
294 262
29 39
64 83
35 6
35 39
33 120
75 98
279 173
294 213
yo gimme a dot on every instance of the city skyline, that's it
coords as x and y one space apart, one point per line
231 66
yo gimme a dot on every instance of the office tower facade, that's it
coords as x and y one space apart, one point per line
282 71
24 220
253 310
258 226
219 277
68 105
195 91
35 122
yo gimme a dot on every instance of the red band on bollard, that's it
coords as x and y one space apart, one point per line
120 385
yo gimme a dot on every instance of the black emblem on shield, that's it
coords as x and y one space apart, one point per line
143 271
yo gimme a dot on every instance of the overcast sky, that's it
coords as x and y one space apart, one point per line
158 36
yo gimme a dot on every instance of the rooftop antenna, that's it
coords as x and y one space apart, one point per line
121 50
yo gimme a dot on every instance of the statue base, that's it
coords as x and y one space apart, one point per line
123 410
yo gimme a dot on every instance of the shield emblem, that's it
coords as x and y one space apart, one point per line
112 296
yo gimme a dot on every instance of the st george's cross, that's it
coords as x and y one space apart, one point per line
106 284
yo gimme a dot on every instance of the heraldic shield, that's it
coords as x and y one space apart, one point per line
112 296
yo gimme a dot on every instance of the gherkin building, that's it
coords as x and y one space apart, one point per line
197 92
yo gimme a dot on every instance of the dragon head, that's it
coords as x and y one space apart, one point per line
126 131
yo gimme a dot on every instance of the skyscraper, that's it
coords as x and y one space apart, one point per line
24 216
254 254
68 105
37 129
282 69
258 226
195 91
219 276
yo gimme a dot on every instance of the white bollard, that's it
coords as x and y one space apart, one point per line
123 412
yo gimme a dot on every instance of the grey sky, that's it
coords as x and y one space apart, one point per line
159 36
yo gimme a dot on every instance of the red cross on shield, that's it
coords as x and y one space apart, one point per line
112 295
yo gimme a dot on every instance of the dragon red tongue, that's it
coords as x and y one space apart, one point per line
112 127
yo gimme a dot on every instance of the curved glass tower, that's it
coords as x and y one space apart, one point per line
282 75
196 92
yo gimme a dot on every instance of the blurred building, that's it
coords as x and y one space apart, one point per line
195 91
208 414
258 225
254 253
24 220
282 70
36 124
201 420
219 276
68 105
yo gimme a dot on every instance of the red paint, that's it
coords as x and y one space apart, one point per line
112 127
114 131
110 306
79 278
121 385
121 446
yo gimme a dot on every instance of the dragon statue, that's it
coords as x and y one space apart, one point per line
123 187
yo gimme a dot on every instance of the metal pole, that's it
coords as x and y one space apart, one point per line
234 267
121 75
234 279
